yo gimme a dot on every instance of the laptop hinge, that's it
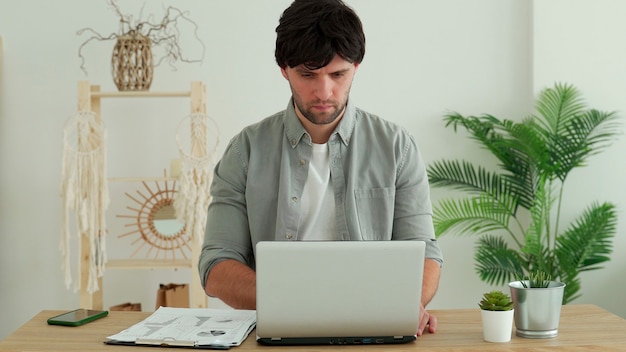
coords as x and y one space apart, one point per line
398 337
276 338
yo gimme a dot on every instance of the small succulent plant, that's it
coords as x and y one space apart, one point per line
537 279
496 300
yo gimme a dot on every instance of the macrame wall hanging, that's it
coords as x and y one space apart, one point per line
197 138
84 193
86 196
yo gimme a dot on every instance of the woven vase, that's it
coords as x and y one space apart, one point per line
131 63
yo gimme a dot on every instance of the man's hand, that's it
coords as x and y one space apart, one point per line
426 320
432 270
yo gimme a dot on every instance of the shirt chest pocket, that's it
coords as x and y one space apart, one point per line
374 210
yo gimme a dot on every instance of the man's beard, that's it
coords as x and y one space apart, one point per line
322 118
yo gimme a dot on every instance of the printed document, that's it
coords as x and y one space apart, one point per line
190 327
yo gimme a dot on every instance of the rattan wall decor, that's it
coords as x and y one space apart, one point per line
153 223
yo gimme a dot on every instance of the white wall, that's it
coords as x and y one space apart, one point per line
424 58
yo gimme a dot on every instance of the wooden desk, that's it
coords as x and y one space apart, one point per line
582 328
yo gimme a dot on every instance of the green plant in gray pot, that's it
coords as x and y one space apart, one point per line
514 208
538 302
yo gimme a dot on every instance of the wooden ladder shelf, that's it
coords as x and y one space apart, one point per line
89 99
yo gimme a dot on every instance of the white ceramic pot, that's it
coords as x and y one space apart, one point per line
497 325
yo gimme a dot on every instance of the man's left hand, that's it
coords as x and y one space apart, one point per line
427 321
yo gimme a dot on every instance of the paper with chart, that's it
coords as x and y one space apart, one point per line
191 327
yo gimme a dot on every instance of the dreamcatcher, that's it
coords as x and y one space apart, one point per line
197 138
84 192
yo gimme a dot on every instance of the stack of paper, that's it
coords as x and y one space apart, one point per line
189 327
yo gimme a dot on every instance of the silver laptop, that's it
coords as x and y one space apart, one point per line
338 292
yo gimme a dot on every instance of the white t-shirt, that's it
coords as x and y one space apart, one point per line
318 220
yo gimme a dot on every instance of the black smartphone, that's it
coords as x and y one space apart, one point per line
77 317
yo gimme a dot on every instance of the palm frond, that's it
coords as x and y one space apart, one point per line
603 127
571 290
584 135
485 129
569 274
478 127
495 262
571 132
464 176
588 242
556 106
476 215
523 155
517 146
572 285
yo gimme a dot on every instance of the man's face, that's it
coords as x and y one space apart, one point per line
321 95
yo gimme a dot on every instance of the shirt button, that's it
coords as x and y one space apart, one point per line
293 141
288 236
294 199
302 162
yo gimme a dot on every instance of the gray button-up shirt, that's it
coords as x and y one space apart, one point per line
379 179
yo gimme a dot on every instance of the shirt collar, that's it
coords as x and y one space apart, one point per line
295 131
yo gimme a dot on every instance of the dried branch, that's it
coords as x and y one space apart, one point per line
164 34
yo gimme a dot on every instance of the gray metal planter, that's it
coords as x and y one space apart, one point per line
537 310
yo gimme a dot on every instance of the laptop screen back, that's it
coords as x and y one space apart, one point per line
330 289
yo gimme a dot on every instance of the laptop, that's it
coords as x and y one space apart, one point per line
338 292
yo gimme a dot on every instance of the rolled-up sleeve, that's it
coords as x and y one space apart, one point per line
413 208
227 234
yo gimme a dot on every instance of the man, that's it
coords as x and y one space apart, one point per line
320 170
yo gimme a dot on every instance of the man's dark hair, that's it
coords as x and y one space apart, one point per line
312 32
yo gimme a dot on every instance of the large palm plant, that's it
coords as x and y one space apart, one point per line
516 211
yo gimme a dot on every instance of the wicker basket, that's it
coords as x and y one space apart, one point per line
131 63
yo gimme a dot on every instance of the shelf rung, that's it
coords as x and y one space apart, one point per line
146 94
148 263
140 179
